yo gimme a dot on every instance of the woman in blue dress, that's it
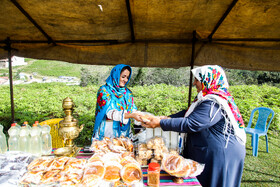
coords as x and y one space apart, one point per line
214 127
115 105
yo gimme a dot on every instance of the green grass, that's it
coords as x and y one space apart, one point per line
58 68
263 170
54 68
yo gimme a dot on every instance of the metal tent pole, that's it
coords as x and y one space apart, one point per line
192 63
9 49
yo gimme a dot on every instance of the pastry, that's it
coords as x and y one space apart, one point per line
95 169
126 160
90 180
184 172
33 177
172 163
58 163
131 173
39 164
50 176
112 172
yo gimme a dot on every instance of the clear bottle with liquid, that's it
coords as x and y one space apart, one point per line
17 125
24 139
46 140
27 125
13 140
36 141
38 125
3 141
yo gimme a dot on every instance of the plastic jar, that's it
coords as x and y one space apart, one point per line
153 174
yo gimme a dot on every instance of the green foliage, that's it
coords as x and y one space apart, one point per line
169 76
4 72
43 101
87 78
90 77
241 77
248 97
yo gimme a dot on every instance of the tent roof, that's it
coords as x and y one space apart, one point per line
236 34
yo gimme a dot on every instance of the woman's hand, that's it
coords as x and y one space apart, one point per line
153 123
135 115
164 117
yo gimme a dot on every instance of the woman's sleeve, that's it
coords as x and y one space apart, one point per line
198 120
117 115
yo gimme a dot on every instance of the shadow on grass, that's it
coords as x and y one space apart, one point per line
263 174
260 181
274 144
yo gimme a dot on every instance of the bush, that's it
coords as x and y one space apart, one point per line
169 76
39 102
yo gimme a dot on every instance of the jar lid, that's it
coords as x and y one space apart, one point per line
153 166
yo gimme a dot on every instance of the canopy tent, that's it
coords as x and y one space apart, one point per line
235 34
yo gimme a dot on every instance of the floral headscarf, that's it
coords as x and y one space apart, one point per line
214 87
112 96
214 81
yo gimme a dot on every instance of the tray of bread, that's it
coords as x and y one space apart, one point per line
112 163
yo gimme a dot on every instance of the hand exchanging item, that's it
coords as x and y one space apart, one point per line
150 121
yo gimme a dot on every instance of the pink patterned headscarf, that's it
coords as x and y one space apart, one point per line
214 81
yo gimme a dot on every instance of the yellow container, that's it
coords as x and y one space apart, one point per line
57 141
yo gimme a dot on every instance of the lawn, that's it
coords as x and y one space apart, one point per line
263 170
53 68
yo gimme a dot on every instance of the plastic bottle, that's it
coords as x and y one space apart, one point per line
35 141
3 141
17 125
46 140
24 139
28 126
38 125
13 140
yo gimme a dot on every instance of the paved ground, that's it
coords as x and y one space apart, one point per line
41 79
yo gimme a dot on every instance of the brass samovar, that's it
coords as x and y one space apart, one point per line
68 130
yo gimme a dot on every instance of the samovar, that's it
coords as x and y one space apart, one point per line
68 130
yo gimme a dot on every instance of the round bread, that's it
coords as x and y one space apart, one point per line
184 172
112 172
95 169
131 173
127 159
172 163
91 180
